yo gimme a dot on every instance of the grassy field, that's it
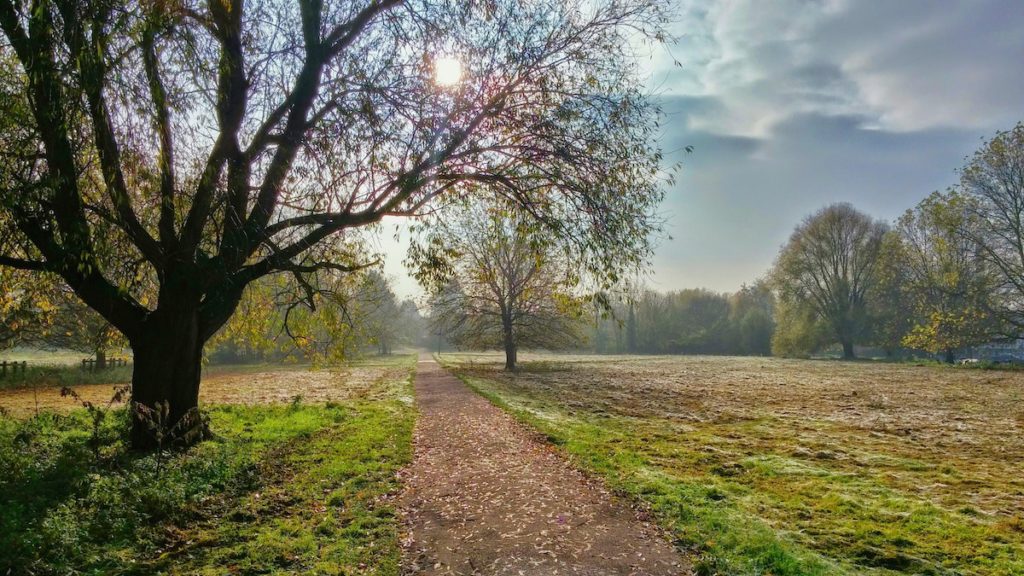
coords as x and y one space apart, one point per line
51 357
298 479
228 384
767 466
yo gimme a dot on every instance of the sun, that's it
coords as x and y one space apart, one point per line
447 71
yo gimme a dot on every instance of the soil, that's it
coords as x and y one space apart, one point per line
486 496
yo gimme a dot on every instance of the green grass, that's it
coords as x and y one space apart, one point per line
745 495
47 376
281 489
706 525
50 356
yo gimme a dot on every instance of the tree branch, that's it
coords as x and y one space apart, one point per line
165 160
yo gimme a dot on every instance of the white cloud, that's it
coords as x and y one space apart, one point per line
904 65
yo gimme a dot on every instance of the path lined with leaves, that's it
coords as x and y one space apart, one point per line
485 496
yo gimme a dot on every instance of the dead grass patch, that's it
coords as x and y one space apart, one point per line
241 385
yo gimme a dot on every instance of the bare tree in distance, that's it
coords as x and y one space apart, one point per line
161 156
830 265
507 288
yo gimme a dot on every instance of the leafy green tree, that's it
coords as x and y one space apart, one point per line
830 265
689 321
992 190
698 322
412 327
752 315
948 283
631 328
380 314
253 331
891 305
799 330
345 315
277 319
653 322
39 310
162 156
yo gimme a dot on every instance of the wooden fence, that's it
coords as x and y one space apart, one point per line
91 365
14 368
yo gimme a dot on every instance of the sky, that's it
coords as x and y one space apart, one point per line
791 105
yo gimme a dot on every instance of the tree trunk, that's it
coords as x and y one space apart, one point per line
510 344
510 355
950 356
631 330
167 367
101 359
848 351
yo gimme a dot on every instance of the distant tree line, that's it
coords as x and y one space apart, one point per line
345 316
947 276
691 321
279 318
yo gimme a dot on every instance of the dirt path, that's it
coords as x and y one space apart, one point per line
485 497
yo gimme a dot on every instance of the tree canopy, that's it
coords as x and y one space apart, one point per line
508 287
948 285
161 156
991 192
830 265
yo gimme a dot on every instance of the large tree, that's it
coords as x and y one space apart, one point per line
947 283
830 265
161 156
508 288
892 307
992 190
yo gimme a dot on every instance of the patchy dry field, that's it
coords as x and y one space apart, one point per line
239 385
793 467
